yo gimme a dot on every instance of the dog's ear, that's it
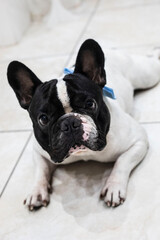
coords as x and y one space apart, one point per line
90 62
23 81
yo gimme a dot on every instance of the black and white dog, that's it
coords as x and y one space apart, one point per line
72 120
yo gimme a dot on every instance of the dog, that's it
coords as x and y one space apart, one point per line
73 120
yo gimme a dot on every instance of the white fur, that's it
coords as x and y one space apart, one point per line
39 195
127 142
63 95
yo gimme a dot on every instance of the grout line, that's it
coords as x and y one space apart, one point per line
157 122
15 131
15 165
81 34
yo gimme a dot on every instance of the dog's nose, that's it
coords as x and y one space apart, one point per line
70 125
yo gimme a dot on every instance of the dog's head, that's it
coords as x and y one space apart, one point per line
69 115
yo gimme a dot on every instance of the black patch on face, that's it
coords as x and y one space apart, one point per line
80 90
45 102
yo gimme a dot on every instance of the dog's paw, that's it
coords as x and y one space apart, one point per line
113 193
39 197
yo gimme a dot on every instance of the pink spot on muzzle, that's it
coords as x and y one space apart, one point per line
87 130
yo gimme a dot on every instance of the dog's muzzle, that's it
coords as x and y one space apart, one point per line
76 134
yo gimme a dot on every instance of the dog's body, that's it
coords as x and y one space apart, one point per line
125 140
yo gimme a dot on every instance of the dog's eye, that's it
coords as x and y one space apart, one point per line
90 103
43 119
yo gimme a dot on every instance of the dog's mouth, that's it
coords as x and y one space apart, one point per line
77 149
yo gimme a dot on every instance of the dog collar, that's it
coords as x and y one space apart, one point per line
107 92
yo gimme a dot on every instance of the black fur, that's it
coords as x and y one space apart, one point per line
23 81
90 62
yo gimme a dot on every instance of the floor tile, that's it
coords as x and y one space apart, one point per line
12 145
75 211
129 27
12 116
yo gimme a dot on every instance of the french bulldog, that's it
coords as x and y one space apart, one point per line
73 120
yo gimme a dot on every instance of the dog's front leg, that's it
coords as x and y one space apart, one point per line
114 191
42 188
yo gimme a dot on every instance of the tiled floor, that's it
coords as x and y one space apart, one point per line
75 211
